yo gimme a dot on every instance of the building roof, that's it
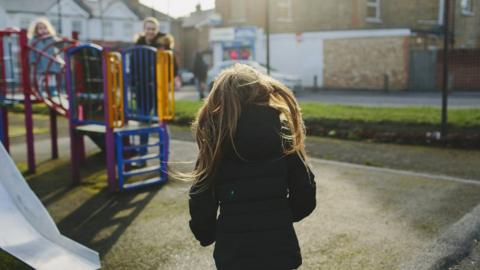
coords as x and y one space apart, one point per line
91 7
84 6
144 11
40 6
26 5
200 18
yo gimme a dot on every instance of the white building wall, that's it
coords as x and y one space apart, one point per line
292 54
303 55
3 18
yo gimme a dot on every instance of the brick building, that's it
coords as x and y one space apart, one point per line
297 16
340 42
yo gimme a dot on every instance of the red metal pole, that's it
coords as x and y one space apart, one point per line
3 92
27 102
54 133
75 35
4 120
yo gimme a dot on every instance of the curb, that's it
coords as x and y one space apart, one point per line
452 246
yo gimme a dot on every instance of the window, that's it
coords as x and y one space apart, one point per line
77 26
285 10
55 23
373 11
441 4
128 29
107 29
467 7
24 23
237 10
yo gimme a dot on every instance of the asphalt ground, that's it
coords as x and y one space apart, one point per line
367 217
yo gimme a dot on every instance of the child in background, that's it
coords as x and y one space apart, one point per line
48 63
252 166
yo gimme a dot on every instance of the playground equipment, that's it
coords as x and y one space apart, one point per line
29 233
120 100
124 98
23 82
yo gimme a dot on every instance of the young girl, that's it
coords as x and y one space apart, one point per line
252 165
45 56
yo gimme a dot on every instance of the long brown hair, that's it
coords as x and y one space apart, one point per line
216 120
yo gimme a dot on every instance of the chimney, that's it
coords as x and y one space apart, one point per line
198 8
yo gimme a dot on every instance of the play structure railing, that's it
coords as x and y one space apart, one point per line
15 86
11 90
166 84
148 84
46 56
139 69
85 84
115 90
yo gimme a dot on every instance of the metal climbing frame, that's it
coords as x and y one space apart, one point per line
136 144
138 152
32 73
85 88
140 85
48 71
46 56
15 86
85 79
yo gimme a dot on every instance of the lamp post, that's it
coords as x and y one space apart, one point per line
446 36
267 33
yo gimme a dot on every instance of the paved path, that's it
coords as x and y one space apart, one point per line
370 98
367 218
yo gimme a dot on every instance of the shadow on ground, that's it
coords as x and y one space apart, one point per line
95 217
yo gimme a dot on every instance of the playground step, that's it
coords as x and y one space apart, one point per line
139 184
140 146
145 170
141 158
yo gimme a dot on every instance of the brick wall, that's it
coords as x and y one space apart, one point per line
464 69
324 15
362 63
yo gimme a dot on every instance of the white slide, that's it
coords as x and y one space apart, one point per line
28 232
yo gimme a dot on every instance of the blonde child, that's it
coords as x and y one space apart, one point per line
44 56
251 167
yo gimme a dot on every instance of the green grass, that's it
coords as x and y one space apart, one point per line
461 118
7 261
38 108
15 131
185 111
407 115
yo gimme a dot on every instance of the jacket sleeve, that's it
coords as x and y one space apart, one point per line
203 215
301 187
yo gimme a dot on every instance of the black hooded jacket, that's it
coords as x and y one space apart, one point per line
259 195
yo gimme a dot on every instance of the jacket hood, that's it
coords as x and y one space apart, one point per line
257 136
